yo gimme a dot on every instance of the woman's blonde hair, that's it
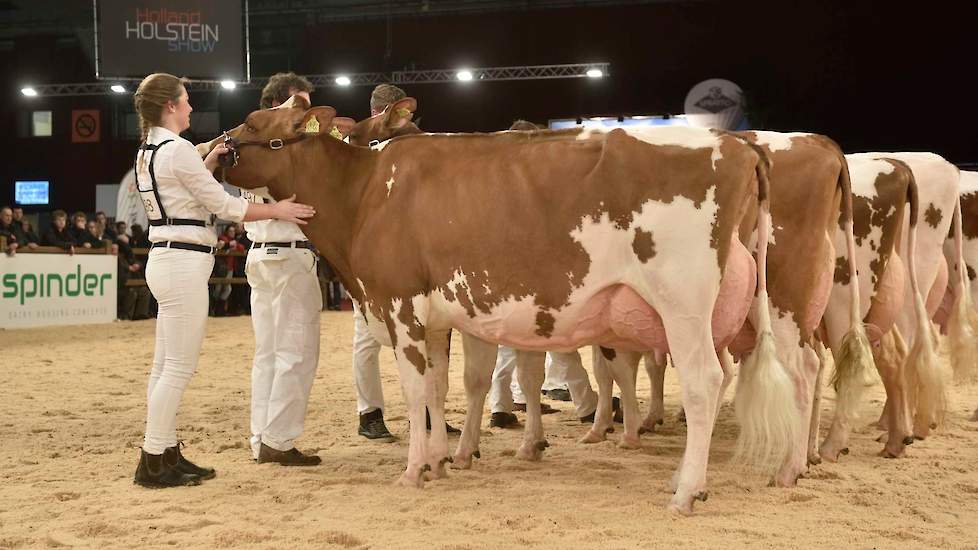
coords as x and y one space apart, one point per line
152 95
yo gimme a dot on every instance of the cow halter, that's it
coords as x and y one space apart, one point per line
231 159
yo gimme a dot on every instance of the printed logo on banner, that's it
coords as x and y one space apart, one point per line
56 289
182 37
182 30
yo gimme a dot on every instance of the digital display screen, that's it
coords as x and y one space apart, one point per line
32 192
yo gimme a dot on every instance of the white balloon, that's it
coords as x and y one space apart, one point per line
715 103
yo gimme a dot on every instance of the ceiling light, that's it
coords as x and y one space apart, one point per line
594 73
228 84
342 81
464 75
28 91
118 88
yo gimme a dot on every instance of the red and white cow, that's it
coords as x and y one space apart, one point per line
639 230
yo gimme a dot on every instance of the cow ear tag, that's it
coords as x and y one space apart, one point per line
335 132
312 127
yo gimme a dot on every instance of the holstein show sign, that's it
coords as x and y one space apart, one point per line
57 289
189 38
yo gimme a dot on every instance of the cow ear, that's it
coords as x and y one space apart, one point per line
399 113
343 126
316 120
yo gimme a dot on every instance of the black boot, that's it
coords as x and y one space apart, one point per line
185 466
158 471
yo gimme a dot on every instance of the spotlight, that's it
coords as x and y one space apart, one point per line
342 81
28 91
594 73
464 75
228 84
118 88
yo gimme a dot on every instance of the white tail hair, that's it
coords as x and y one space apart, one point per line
962 327
765 403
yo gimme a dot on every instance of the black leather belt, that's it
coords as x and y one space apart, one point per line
295 244
184 246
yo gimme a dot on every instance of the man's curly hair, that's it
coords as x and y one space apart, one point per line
277 89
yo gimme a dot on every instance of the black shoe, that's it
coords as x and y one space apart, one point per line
448 427
558 394
292 457
615 408
159 471
544 408
372 426
187 467
504 420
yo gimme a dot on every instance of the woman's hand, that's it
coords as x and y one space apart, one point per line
211 161
291 211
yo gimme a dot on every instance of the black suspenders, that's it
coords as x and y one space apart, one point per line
163 219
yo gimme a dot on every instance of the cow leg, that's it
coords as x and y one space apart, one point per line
530 372
655 366
805 362
700 378
438 344
480 357
890 360
729 370
603 412
624 368
411 354
816 420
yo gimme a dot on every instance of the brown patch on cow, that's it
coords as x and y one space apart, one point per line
969 215
842 275
971 273
406 316
545 324
933 215
643 245
805 200
413 354
608 353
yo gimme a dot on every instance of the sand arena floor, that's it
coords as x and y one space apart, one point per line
72 415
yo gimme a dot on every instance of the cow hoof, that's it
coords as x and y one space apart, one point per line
437 472
933 425
477 454
701 496
532 452
411 480
593 436
908 440
629 442
814 459
681 508
462 462
827 452
845 450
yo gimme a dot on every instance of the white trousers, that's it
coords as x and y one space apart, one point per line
366 366
286 302
563 371
178 281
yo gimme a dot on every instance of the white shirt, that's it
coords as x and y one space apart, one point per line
187 190
270 231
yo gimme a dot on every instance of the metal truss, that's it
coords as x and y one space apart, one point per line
485 74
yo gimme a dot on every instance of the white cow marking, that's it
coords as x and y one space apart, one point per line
390 182
678 136
777 141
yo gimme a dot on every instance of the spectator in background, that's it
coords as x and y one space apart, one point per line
139 237
334 296
227 242
108 232
7 227
77 229
18 214
240 299
139 306
92 237
58 234
120 230
29 234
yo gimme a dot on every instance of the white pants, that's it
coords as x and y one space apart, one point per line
286 302
563 371
178 281
366 366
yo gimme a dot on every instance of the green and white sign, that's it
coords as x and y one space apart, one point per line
56 289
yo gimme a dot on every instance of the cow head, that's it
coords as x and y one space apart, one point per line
394 121
261 155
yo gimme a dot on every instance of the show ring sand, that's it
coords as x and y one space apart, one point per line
73 412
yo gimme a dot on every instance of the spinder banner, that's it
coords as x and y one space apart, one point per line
39 290
202 39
